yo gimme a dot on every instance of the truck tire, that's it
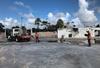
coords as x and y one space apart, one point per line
16 40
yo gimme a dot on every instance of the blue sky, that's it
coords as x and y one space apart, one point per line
41 8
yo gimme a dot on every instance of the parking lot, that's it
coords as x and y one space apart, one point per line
48 55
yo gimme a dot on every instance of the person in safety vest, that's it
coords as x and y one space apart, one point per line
37 37
88 38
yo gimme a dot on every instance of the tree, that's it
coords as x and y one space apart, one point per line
45 23
97 25
60 23
1 27
52 28
15 27
24 30
37 22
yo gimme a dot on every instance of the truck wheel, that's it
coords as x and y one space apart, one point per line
8 37
16 40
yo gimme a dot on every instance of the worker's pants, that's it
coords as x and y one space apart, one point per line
89 42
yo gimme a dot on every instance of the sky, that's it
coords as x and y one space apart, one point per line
15 12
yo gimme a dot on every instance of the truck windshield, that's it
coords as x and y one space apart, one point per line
16 30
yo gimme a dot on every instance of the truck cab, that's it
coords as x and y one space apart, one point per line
18 34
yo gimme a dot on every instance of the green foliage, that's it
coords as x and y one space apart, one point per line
15 27
24 30
1 27
37 22
60 23
97 25
44 22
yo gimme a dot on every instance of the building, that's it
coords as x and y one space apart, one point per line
79 33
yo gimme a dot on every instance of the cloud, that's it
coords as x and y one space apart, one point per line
66 17
21 4
29 19
86 16
9 22
52 18
83 4
77 22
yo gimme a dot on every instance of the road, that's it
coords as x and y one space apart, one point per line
48 55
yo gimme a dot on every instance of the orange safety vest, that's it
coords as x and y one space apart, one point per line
36 34
89 35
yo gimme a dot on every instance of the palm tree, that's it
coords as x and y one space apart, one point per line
37 22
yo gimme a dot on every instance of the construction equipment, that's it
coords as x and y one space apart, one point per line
18 34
